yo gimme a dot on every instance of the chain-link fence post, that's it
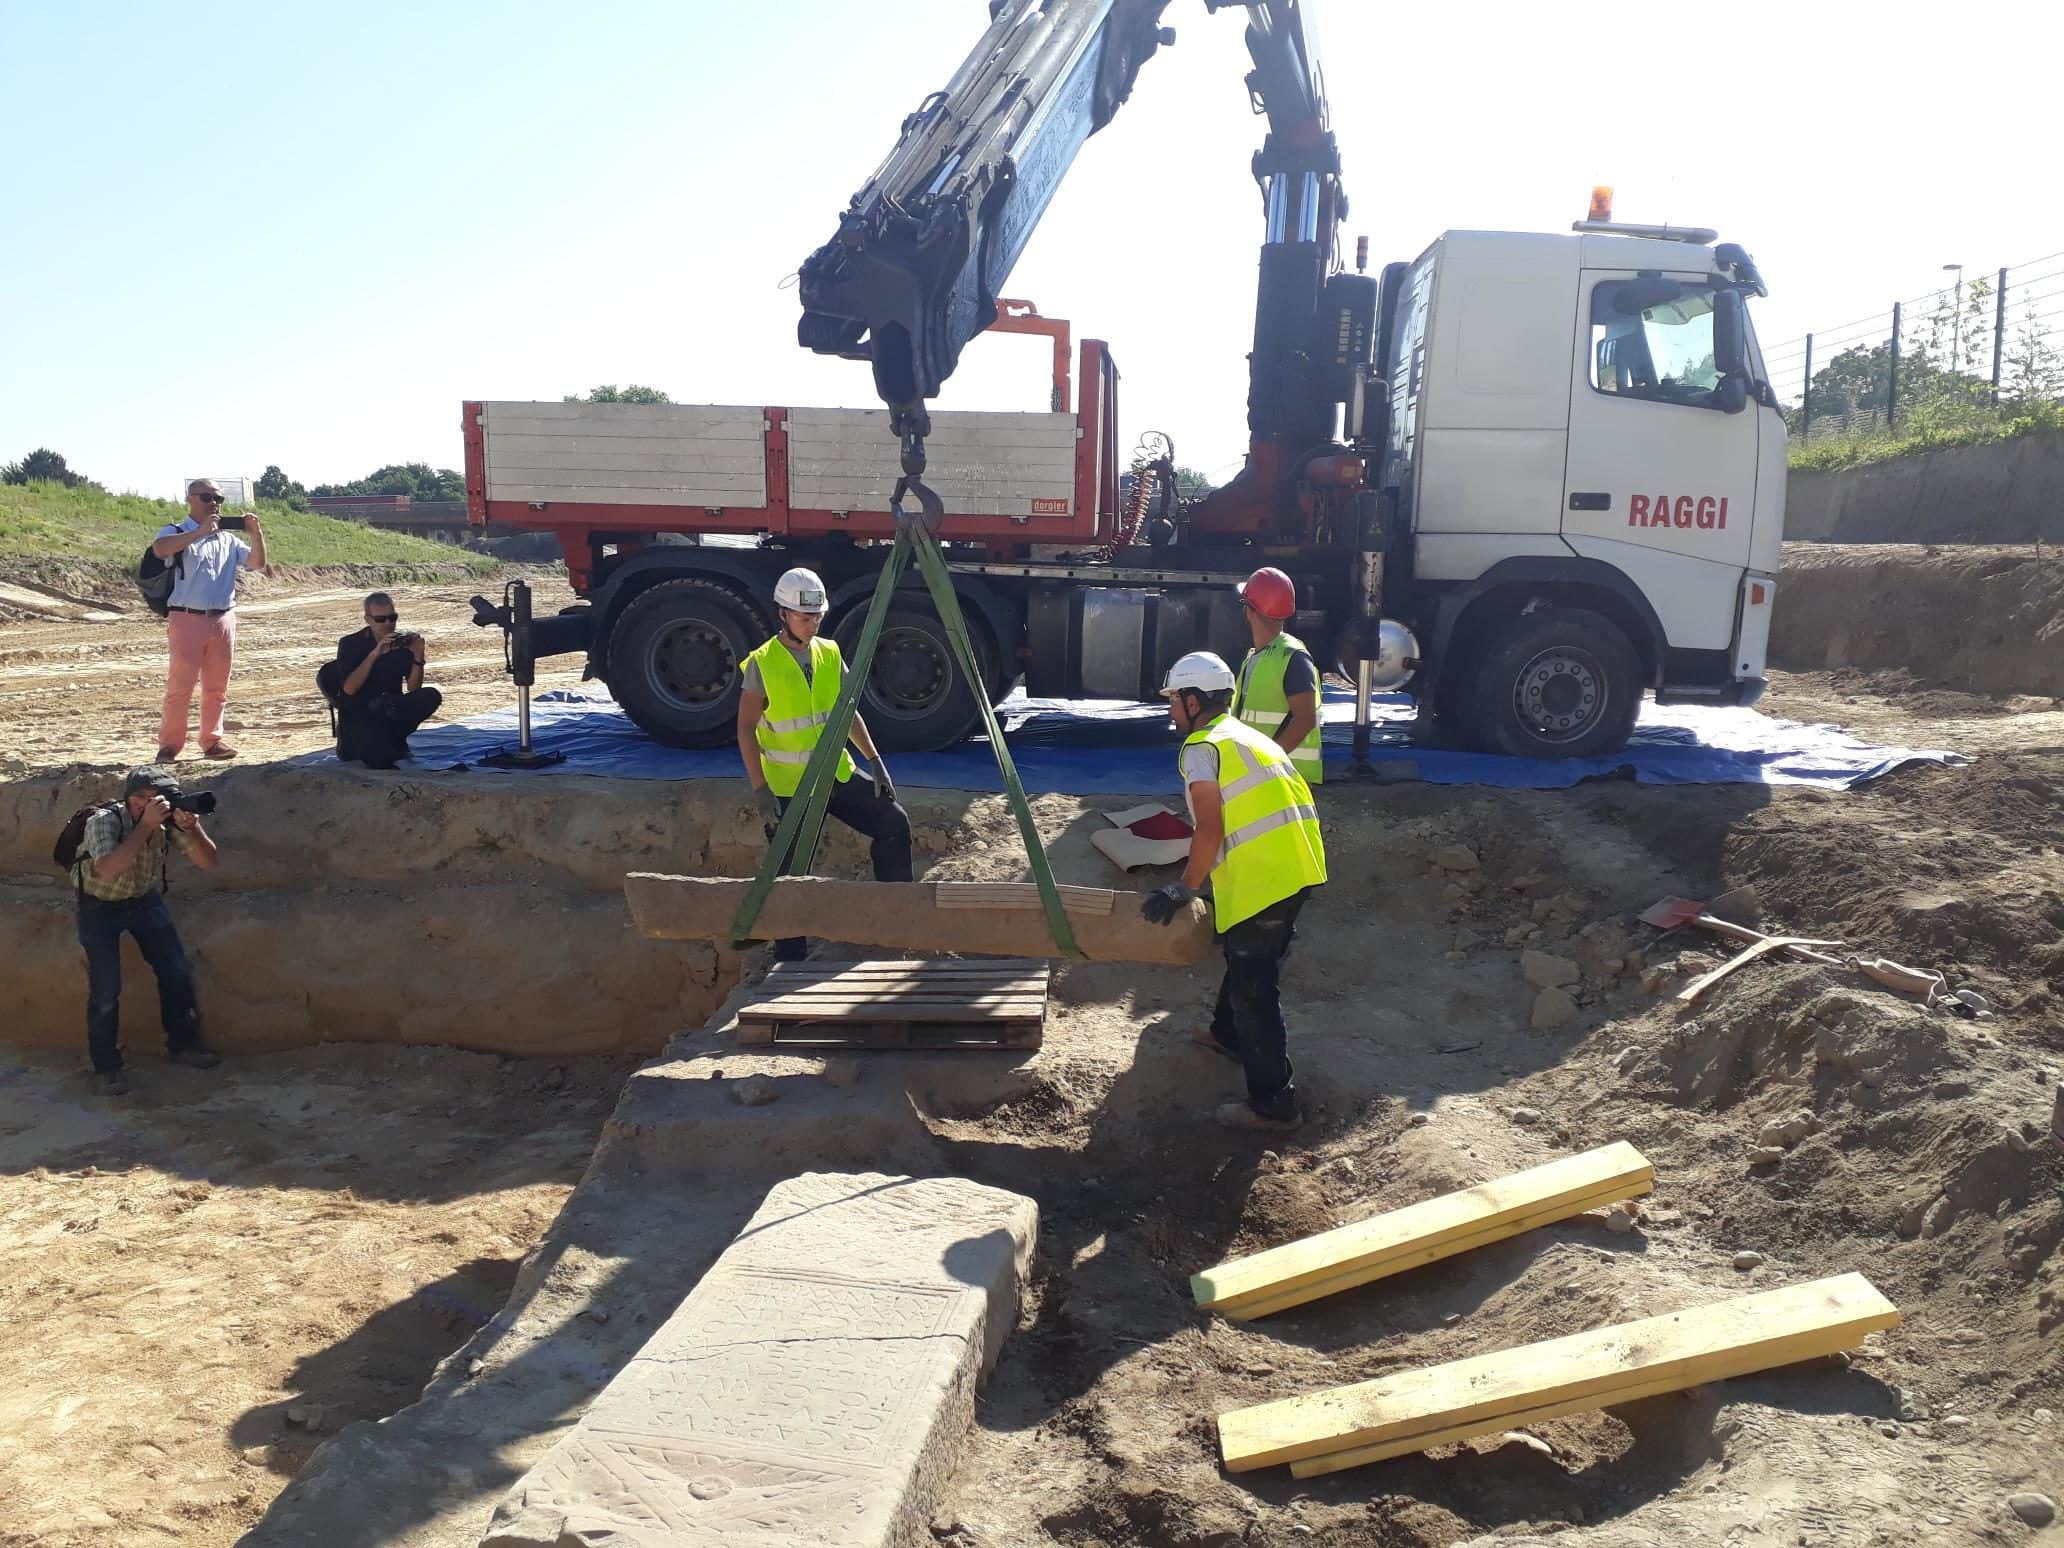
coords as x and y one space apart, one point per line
1999 332
1806 395
1892 376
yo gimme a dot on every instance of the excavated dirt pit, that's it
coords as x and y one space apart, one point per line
1422 1074
435 1238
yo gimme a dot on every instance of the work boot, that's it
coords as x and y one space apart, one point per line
113 1083
196 1058
1238 1115
219 752
167 755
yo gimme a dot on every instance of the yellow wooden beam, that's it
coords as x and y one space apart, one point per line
1422 1232
1249 1308
1412 1410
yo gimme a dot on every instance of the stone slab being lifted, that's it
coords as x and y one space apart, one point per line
815 1387
983 919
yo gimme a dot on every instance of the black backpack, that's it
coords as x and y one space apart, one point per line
66 850
155 580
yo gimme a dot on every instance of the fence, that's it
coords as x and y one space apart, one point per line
1984 338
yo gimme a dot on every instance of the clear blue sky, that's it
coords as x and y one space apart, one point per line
243 234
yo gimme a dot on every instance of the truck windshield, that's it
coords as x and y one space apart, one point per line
1662 352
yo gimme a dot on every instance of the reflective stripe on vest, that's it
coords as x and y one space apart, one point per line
796 711
1262 704
1272 849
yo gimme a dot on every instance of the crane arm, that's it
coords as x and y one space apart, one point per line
925 247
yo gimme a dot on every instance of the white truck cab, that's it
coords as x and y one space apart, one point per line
1581 434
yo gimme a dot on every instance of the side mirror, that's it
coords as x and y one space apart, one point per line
1731 396
1730 333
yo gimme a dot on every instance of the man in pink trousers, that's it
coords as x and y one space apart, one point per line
201 626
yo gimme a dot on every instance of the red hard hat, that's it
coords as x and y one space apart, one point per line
1270 593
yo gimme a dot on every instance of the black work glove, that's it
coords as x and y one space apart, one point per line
1162 904
884 787
769 804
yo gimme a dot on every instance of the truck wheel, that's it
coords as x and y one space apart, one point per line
676 660
1559 682
916 698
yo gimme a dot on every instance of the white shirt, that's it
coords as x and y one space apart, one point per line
210 564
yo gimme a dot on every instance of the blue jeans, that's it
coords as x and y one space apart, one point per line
101 927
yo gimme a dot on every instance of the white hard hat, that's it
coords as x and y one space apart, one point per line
800 591
1199 670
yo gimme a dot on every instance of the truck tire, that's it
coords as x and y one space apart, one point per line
916 698
1559 682
676 660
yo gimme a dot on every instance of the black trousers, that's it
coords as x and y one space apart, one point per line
1249 1018
101 928
376 732
884 823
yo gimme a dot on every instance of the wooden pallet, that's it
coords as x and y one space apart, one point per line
973 1002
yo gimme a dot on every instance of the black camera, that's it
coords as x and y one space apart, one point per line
234 524
199 802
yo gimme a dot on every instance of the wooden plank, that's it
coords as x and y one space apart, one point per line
873 424
696 496
1468 1212
524 462
993 1035
1416 1409
1247 1309
736 481
619 418
911 915
895 1010
1806 1346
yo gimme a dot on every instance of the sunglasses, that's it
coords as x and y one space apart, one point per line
381 617
211 499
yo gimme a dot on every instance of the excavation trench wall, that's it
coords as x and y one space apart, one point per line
481 911
1982 620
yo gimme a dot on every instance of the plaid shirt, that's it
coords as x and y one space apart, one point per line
105 831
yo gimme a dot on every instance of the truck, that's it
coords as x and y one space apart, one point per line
1523 478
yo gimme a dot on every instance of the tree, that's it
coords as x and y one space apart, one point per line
614 394
44 466
2033 372
275 485
1190 483
1857 380
418 480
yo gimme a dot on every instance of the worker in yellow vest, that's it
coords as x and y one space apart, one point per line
1256 839
1279 682
791 684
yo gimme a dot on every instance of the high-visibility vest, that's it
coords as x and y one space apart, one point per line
1271 849
796 710
1261 702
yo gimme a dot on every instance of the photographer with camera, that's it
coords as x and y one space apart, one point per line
200 626
119 871
379 692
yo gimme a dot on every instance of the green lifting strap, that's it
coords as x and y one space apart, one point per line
803 823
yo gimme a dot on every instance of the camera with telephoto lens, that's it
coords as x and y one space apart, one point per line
199 802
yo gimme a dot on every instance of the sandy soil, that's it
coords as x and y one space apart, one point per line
326 1226
177 1271
86 689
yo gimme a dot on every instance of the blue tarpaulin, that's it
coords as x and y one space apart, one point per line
1098 747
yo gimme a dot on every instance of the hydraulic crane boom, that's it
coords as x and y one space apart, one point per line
927 245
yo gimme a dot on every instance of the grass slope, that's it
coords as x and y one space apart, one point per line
48 521
1926 427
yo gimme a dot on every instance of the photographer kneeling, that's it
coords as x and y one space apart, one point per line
380 694
119 869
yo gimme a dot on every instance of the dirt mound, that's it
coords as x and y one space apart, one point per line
1981 620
